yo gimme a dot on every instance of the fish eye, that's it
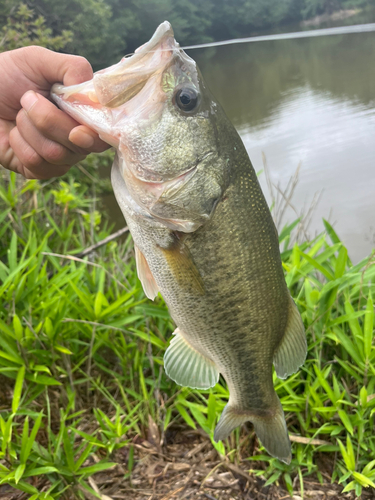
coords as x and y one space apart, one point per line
186 98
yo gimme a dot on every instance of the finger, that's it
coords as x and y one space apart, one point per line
49 150
51 67
7 157
31 164
59 127
87 139
49 120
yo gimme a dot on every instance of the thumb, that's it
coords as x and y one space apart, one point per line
49 67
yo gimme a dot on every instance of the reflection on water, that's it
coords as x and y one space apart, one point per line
309 100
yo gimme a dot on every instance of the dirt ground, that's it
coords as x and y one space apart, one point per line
187 467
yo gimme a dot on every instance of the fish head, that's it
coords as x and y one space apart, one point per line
155 109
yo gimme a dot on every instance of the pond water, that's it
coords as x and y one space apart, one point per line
310 102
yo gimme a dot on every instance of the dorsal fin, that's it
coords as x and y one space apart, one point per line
291 353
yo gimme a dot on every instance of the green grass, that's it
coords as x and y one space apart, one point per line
81 353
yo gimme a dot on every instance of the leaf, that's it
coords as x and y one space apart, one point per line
93 469
26 487
99 301
347 456
318 266
28 444
18 389
42 379
353 321
275 476
17 327
331 232
349 346
285 232
368 468
363 480
84 455
12 253
19 473
6 329
349 487
184 414
10 357
40 471
322 379
68 448
368 329
62 349
341 262
346 421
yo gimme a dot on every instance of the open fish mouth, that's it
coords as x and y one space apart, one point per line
116 85
110 97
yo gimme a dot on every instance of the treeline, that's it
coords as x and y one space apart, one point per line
104 30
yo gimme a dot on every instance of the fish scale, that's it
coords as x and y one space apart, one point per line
204 236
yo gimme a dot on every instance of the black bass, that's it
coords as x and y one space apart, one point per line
204 236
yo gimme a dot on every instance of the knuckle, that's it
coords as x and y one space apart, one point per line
54 153
44 119
31 159
33 49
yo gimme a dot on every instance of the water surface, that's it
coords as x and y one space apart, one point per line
309 101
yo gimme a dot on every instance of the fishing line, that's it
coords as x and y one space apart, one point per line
341 30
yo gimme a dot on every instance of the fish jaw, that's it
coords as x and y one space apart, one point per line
100 103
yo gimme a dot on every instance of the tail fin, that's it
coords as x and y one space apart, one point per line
271 431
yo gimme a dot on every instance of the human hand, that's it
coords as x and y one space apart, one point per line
37 139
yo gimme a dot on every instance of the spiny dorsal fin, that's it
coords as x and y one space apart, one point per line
187 366
145 276
291 353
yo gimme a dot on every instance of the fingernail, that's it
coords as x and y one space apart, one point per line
82 139
28 100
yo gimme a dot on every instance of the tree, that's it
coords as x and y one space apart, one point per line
23 28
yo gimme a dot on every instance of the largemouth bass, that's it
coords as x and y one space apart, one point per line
203 234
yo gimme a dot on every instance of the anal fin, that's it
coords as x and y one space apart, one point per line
145 276
291 353
187 366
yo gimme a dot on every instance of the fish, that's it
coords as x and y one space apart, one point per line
203 233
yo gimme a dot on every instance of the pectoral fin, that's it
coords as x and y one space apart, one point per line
183 268
145 276
187 366
291 353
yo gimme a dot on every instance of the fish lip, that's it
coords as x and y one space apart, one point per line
162 30
163 39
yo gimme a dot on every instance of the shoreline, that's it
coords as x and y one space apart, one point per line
339 15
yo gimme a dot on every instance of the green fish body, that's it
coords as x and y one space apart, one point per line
204 236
